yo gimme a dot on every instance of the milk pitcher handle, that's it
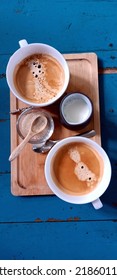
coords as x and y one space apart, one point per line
23 43
97 204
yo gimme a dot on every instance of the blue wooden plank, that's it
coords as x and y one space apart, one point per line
63 24
70 241
108 112
107 59
4 89
51 208
4 145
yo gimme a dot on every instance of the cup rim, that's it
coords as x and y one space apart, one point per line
66 70
79 199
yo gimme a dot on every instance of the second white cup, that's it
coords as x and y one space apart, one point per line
78 171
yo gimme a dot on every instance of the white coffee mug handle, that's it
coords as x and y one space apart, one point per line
97 204
23 43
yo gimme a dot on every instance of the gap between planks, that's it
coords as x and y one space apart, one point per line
107 70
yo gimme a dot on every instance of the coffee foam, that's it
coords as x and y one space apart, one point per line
77 168
81 170
39 78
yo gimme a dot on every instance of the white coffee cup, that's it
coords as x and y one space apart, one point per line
23 52
92 196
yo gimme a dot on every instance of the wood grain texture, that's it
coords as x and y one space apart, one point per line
29 179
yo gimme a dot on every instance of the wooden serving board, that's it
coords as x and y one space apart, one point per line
27 170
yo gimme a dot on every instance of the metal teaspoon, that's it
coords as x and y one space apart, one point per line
50 143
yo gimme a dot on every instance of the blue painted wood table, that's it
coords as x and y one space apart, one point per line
45 227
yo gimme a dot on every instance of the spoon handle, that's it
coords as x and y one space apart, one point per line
19 148
46 146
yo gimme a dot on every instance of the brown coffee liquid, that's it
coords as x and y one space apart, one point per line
39 78
77 168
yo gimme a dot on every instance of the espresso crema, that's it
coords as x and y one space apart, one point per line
77 169
39 78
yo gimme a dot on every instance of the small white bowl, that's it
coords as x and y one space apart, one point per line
75 110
